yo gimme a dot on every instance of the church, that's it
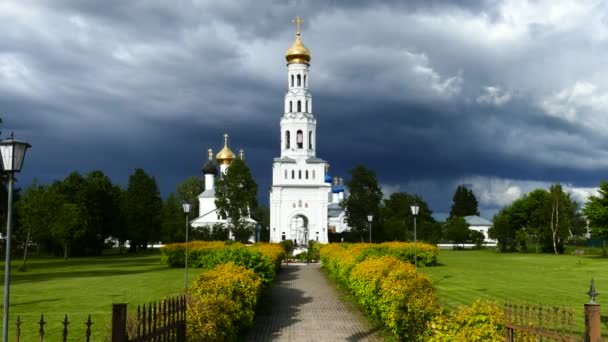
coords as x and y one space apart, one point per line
304 201
208 215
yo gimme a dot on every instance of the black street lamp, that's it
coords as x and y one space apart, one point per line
415 210
186 206
370 217
13 154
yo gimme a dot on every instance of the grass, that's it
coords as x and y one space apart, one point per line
464 276
83 286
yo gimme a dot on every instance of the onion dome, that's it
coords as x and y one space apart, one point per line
298 53
210 168
225 156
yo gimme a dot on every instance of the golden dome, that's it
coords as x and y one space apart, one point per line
298 53
225 155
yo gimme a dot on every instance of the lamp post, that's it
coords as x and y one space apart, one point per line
415 210
13 153
370 217
186 206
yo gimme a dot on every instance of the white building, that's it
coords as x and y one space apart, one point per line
480 224
208 215
300 193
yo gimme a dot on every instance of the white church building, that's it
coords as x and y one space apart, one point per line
303 205
208 215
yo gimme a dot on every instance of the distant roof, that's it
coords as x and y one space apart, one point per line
315 160
334 210
475 220
284 160
209 193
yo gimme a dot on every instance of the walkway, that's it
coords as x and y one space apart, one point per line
305 307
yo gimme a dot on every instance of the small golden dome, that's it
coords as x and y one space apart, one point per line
225 156
298 53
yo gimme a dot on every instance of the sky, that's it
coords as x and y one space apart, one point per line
504 96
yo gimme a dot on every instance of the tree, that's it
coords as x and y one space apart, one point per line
464 202
143 210
173 221
68 226
102 208
559 221
364 199
456 230
596 211
35 210
398 221
188 191
236 199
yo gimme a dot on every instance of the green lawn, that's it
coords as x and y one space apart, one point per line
464 276
79 287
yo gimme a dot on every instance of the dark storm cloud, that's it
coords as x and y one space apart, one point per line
502 95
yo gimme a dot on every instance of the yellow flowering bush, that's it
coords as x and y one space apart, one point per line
274 251
407 301
223 302
482 321
385 283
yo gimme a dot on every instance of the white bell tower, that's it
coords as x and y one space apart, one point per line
299 195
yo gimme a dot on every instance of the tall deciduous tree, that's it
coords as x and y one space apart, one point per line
596 211
173 217
464 202
188 191
69 225
398 221
236 198
456 230
364 199
143 210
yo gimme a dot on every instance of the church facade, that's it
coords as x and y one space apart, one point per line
301 192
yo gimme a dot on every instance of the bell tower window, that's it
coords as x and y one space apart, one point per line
305 80
290 106
310 140
292 80
299 106
306 105
299 80
300 139
287 138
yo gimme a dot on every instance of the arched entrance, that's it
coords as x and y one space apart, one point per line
299 229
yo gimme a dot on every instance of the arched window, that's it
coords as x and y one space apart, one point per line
292 80
310 140
313 174
300 174
306 105
309 107
299 80
287 139
293 174
305 80
300 139
299 106
285 174
290 106
306 174
300 203
283 236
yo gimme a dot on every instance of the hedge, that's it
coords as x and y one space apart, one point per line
482 321
222 303
263 258
383 280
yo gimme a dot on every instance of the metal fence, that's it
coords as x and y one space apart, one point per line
551 323
162 321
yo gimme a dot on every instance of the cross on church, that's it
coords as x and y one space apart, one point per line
225 138
297 21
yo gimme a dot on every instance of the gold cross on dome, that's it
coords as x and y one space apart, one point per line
226 139
297 21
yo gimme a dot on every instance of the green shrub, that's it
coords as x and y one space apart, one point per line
482 321
222 303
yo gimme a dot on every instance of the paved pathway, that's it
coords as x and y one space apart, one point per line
305 307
